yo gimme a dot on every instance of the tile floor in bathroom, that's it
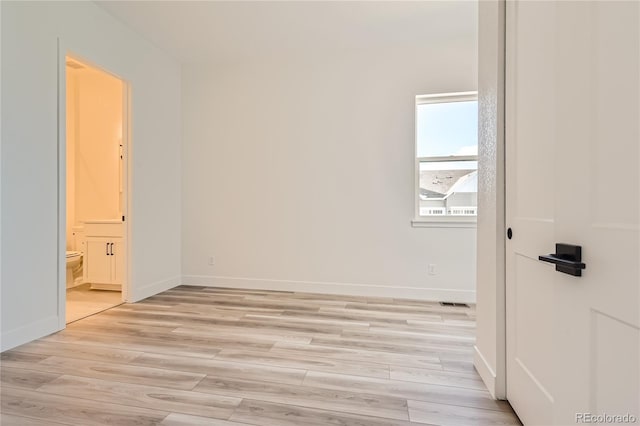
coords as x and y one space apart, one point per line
82 301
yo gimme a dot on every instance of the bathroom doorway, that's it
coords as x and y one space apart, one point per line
96 175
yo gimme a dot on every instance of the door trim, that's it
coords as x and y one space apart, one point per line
509 44
63 51
490 353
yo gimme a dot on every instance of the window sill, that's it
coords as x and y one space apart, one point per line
445 222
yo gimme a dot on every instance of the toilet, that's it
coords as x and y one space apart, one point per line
74 268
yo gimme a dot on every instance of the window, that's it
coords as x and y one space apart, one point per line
447 158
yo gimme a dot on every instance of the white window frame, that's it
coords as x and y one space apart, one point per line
437 221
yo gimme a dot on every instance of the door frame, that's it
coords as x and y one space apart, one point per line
491 91
62 52
508 132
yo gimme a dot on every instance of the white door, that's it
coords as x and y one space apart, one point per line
573 137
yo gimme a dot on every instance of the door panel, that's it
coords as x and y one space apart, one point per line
597 101
614 162
615 343
533 322
581 354
530 209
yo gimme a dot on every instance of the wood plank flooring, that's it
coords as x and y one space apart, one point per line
212 356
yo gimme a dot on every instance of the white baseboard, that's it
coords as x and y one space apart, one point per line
431 294
29 332
137 294
485 371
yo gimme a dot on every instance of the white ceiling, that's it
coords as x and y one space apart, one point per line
213 31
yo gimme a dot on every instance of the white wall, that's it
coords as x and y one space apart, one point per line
299 174
99 112
490 337
29 172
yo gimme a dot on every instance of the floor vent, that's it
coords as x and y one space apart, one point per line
461 305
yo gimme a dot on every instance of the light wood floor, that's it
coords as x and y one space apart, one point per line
82 301
208 356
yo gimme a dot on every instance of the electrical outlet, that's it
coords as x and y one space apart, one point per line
211 261
432 269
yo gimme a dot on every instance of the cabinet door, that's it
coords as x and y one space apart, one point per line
117 262
98 261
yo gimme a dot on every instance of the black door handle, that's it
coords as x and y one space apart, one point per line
107 249
111 253
567 258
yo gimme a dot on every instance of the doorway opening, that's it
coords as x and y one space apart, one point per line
96 236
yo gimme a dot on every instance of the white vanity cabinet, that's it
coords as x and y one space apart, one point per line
104 255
